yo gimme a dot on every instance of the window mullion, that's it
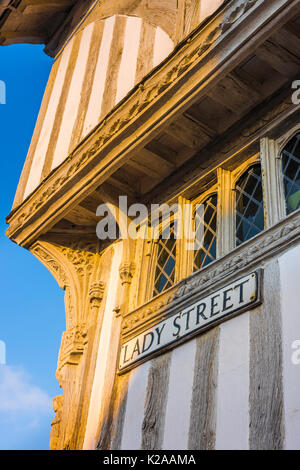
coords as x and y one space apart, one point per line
226 210
184 257
272 182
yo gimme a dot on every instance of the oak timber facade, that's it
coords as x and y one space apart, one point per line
170 101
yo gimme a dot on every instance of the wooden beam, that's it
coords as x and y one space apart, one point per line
30 36
188 132
28 7
92 202
205 128
110 193
287 38
235 94
279 59
151 164
162 150
81 216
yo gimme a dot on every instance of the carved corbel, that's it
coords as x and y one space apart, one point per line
96 293
126 272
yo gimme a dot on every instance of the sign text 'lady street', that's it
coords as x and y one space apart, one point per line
229 300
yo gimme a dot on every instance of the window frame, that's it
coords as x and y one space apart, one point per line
224 185
281 144
236 175
202 198
274 196
153 254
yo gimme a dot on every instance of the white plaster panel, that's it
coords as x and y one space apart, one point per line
43 141
163 46
232 429
127 71
177 419
73 100
135 408
208 7
289 265
97 91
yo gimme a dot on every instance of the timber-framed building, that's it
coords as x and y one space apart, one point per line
185 102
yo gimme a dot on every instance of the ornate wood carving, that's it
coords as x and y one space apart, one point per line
76 268
126 272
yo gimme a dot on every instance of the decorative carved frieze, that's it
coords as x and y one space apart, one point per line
81 255
247 256
236 10
56 268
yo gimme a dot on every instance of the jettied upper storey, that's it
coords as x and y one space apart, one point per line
138 93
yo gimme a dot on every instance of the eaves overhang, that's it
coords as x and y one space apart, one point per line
36 21
193 70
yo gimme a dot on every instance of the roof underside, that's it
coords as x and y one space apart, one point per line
36 21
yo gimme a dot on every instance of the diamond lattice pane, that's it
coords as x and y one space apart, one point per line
166 259
205 233
290 158
249 205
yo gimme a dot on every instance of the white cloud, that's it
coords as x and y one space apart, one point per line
25 411
17 394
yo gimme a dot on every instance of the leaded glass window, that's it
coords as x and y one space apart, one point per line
249 205
205 233
290 158
166 260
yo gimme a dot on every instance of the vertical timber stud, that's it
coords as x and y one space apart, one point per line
272 182
155 403
202 432
112 431
266 388
111 428
180 20
184 256
96 294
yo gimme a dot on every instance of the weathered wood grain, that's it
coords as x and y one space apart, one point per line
112 429
61 107
266 389
202 432
115 57
87 85
155 403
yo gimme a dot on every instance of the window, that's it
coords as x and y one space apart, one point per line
206 233
237 203
249 205
166 260
290 158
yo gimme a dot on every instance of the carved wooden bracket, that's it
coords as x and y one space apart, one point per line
96 293
76 266
127 272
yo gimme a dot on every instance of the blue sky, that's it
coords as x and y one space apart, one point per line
32 306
